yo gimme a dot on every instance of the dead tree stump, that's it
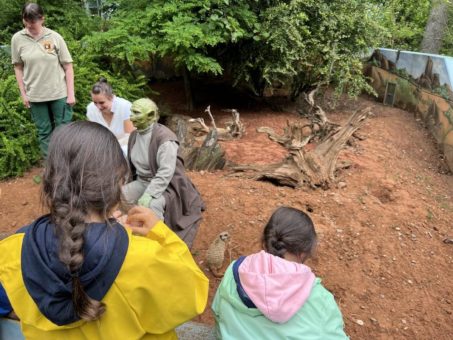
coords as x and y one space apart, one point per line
199 145
234 129
315 168
209 156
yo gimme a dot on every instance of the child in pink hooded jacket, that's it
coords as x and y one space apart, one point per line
272 294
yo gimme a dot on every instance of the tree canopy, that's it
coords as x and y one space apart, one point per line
257 44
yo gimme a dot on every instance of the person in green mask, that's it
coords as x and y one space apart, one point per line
159 181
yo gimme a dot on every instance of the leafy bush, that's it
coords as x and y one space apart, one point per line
19 148
186 31
10 20
258 44
447 41
320 45
405 22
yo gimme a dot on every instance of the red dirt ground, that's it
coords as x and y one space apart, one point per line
381 250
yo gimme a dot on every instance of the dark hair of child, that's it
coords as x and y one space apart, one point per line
85 169
102 86
289 230
32 12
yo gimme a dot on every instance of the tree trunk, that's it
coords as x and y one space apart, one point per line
435 27
210 156
188 89
205 155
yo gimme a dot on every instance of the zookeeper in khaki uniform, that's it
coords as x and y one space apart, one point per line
44 73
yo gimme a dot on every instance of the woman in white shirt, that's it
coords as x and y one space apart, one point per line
111 111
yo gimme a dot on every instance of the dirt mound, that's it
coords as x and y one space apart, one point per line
381 252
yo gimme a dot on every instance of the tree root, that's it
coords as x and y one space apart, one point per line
315 168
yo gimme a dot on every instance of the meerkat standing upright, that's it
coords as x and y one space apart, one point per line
216 253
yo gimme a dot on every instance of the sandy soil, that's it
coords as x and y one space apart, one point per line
381 249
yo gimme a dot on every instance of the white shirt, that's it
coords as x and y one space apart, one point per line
121 109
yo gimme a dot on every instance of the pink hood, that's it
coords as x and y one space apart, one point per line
277 287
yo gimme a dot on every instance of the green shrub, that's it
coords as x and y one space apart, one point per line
19 148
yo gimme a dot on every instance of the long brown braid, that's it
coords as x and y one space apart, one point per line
83 177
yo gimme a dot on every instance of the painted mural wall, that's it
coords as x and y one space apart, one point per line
423 84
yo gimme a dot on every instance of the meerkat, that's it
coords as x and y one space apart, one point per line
216 253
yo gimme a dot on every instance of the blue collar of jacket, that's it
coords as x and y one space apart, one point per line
49 281
242 294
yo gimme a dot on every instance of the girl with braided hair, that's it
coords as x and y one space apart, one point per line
272 294
77 273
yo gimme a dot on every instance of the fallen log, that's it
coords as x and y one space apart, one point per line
315 167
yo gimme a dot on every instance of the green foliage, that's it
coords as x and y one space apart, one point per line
405 22
19 148
320 45
349 79
18 143
37 179
260 44
10 19
447 41
67 17
185 31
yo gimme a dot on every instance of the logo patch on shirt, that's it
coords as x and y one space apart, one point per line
48 45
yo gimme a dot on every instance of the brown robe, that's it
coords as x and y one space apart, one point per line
183 203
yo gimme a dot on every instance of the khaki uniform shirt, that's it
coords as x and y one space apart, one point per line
44 76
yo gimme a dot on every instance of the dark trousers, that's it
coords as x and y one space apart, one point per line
47 116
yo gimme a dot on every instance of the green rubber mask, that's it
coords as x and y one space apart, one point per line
144 112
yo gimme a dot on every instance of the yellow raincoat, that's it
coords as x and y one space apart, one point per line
159 287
